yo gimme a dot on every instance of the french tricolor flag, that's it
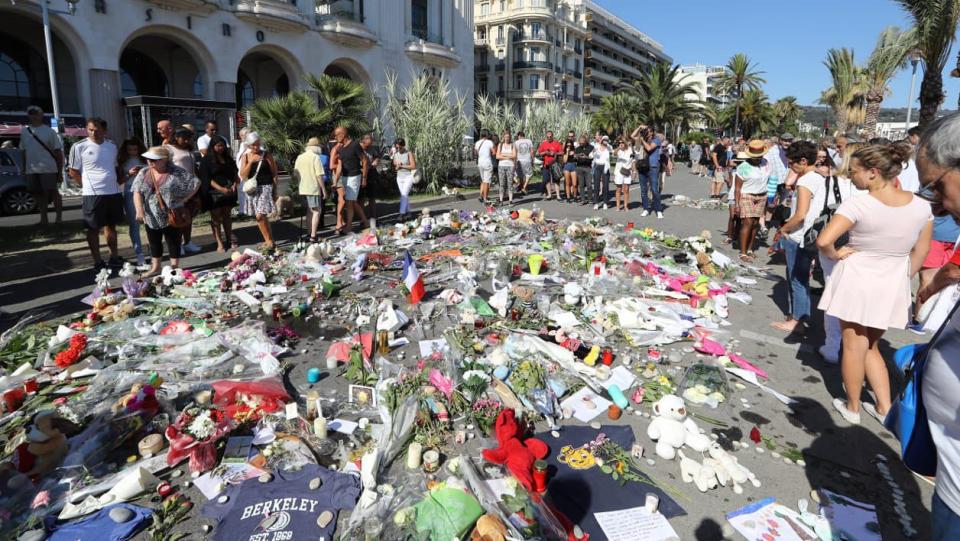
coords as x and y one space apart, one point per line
412 279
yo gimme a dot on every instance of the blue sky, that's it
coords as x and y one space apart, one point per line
787 39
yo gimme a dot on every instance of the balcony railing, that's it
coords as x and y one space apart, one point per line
532 64
276 15
201 6
534 36
480 42
501 41
338 22
500 66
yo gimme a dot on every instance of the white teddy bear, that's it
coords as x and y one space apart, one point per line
671 428
729 470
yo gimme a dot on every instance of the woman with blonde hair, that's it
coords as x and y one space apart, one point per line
869 289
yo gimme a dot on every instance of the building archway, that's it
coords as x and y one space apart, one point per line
156 65
264 72
347 68
24 79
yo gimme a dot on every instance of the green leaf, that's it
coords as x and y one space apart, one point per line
606 469
615 475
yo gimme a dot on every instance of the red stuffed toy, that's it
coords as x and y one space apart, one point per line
518 455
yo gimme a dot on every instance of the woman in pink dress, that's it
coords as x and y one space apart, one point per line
869 289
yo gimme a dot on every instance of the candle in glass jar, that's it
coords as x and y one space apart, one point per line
540 476
414 455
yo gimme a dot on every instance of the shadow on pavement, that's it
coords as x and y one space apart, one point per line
842 459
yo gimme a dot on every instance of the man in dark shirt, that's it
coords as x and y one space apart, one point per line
718 155
369 190
350 175
584 170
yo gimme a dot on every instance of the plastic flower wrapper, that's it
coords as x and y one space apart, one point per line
543 522
246 401
250 340
102 435
705 384
194 434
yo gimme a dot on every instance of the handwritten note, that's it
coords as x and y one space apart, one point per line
635 524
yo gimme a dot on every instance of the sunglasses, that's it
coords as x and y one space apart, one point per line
931 191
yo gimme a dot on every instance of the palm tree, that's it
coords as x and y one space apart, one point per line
756 113
618 113
664 96
347 103
845 94
716 116
787 111
286 122
888 57
935 22
741 74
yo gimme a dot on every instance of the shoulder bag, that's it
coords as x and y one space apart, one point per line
250 185
44 145
643 162
176 217
810 236
907 418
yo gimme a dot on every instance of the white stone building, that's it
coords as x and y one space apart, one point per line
704 79
194 59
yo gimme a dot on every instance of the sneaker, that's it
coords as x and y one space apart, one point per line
141 260
645 213
916 328
840 405
190 247
872 412
596 207
659 215
827 356
605 207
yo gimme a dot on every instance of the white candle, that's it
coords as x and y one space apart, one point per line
320 427
331 363
414 454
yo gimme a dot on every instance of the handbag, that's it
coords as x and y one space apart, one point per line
416 176
176 217
907 418
250 185
643 162
826 213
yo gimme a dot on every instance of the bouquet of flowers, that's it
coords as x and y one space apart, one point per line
485 413
245 401
194 434
71 355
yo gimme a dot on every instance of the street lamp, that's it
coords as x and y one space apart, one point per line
914 60
48 41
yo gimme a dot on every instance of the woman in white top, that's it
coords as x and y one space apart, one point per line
750 195
506 154
404 162
601 173
622 174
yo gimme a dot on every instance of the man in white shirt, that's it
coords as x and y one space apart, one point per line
484 150
43 160
93 164
524 160
209 132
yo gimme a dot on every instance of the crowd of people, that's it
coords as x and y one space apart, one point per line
577 170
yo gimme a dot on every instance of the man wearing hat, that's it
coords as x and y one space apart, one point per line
43 158
309 172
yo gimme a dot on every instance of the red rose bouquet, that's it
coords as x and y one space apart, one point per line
71 355
194 434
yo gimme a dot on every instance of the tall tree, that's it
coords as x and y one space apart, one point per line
787 111
741 74
888 57
756 113
846 91
618 113
665 97
347 103
935 22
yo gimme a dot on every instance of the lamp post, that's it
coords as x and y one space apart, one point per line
48 42
914 60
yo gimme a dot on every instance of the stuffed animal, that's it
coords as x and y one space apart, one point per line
45 446
671 428
706 266
518 455
704 476
730 470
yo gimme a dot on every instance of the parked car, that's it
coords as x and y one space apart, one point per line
15 195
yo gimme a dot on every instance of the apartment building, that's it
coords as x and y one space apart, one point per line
705 81
133 61
615 51
529 51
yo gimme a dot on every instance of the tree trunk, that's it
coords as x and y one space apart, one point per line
931 96
841 127
872 114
